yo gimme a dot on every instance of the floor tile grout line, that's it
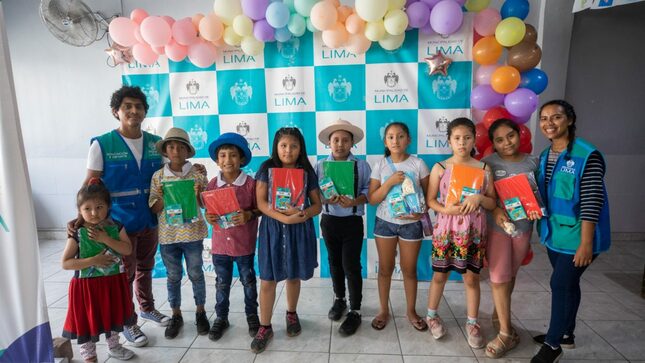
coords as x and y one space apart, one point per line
606 341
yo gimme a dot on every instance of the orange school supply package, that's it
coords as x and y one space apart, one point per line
464 181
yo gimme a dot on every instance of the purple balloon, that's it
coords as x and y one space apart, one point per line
263 31
255 9
484 97
427 30
521 103
430 3
446 17
520 120
418 14
408 2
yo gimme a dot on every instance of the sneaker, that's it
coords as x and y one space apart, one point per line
437 329
217 329
293 324
176 322
156 317
120 353
337 310
546 354
475 338
254 324
135 336
566 343
202 323
350 325
261 339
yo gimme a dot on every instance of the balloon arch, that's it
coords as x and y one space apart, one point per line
506 90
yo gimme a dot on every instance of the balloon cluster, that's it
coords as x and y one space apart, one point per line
510 90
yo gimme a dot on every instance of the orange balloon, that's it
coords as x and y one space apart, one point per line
196 19
487 50
505 79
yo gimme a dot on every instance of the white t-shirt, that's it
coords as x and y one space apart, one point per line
381 171
95 157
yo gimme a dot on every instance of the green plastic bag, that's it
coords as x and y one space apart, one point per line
342 174
180 203
90 248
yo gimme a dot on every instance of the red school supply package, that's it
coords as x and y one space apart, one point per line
464 181
518 188
222 202
288 187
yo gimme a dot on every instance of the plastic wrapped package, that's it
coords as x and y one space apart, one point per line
520 196
287 188
342 175
222 202
90 248
328 188
179 201
464 181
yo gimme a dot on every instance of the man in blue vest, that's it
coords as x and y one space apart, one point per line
125 159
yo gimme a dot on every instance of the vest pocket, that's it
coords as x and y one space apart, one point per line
564 185
565 232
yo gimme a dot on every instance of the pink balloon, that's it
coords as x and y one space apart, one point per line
324 15
202 54
137 15
155 31
175 51
144 54
137 35
483 73
335 37
159 50
486 21
122 31
184 32
169 19
354 24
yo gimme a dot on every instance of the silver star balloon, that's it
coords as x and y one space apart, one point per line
438 64
119 54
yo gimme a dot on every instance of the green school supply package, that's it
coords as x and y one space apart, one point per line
342 174
90 248
180 203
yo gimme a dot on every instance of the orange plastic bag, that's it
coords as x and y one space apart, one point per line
464 181
222 202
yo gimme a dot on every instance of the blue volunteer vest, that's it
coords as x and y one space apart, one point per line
129 184
560 231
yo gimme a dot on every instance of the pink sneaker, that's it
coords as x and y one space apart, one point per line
437 328
475 338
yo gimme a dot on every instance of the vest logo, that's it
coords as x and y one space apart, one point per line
444 87
198 137
337 54
192 87
238 58
241 92
339 89
442 124
242 128
289 49
391 79
119 155
289 83
152 95
569 168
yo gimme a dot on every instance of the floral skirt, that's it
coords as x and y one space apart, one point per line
458 250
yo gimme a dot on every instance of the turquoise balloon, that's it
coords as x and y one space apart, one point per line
290 5
303 7
310 26
277 15
297 25
282 34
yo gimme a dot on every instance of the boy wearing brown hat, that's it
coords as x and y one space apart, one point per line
342 225
177 240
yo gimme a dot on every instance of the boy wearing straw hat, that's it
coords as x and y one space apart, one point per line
341 224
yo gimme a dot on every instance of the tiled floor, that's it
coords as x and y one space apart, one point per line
611 325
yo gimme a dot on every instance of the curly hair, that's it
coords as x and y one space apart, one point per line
128 91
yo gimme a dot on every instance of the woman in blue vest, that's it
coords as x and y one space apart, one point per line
576 230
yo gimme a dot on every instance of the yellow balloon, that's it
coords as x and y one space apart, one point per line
392 42
227 10
375 30
395 22
243 25
476 5
252 46
231 37
396 4
510 31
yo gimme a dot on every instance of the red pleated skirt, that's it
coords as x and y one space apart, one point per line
98 305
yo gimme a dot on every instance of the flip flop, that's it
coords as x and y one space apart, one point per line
419 324
378 323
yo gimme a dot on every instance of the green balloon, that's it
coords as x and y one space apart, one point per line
303 7
290 5
297 25
310 26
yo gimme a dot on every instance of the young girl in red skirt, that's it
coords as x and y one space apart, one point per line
100 300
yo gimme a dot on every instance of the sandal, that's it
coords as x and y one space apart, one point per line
378 323
496 348
419 324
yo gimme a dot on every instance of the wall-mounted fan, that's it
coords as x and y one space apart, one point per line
73 22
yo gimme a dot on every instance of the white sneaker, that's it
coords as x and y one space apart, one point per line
437 329
120 353
475 338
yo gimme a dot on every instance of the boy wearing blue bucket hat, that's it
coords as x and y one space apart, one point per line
230 152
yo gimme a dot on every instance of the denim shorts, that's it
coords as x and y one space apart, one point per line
405 232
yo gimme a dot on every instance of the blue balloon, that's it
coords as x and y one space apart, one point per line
535 80
282 34
515 8
277 15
